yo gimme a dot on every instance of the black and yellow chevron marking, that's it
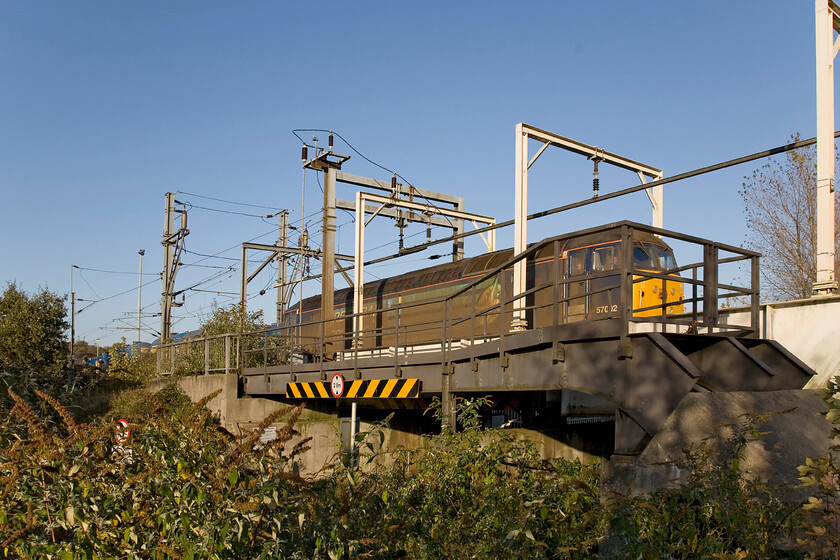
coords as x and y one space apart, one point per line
358 389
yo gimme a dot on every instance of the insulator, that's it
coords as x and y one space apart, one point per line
595 186
331 141
428 232
394 185
303 153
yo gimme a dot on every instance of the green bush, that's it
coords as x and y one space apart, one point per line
32 339
183 488
138 368
716 512
472 494
820 514
180 488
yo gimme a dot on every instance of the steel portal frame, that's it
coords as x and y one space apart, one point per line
525 132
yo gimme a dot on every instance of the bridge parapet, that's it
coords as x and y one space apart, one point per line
609 313
613 273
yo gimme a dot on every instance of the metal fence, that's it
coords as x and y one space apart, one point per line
482 308
196 356
469 316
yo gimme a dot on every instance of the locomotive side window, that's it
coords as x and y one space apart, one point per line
577 263
604 258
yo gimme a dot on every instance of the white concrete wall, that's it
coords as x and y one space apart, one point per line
808 328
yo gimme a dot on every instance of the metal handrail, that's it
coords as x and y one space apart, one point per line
701 315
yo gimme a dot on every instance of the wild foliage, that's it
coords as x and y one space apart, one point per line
32 333
231 318
821 513
483 494
181 487
717 512
134 367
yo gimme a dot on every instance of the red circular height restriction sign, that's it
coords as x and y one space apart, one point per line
337 385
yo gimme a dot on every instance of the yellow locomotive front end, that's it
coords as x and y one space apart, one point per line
652 292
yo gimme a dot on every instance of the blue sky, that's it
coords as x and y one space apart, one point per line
106 106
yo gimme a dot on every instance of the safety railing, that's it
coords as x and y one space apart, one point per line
481 309
201 355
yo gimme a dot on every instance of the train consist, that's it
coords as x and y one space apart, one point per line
589 292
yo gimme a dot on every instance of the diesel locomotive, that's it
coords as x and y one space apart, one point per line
407 309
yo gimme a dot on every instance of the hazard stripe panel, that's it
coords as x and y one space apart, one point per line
358 389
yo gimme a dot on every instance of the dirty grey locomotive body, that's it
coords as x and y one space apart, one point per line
395 312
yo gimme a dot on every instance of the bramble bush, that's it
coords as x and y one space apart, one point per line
183 488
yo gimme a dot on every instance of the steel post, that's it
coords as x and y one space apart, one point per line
826 51
282 264
168 261
520 226
328 248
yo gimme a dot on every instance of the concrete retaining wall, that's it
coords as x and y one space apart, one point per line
795 428
808 328
241 415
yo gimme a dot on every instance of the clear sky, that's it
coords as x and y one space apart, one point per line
106 106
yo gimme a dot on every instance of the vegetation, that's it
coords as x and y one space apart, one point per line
821 512
134 367
180 487
717 512
32 339
780 204
231 318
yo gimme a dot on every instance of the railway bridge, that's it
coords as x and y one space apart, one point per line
597 349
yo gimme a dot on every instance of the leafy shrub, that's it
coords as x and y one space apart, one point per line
178 489
821 513
718 512
183 488
138 368
472 494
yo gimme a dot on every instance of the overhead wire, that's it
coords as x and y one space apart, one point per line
221 211
82 276
113 271
233 201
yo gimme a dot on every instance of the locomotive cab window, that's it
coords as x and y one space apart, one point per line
604 258
663 256
577 262
642 259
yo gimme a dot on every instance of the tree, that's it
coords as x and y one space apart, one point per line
780 204
231 318
32 332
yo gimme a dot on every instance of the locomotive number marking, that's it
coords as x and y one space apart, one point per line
606 308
